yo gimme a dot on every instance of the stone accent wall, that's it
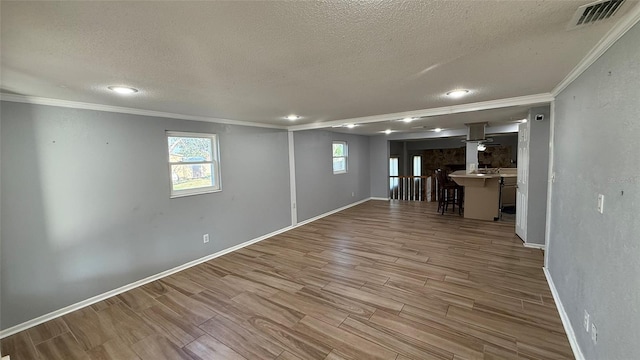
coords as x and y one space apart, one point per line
493 156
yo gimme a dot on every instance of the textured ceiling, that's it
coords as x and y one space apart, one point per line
260 61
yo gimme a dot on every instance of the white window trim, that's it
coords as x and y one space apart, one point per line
346 157
215 162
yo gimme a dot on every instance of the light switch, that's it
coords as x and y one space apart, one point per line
600 203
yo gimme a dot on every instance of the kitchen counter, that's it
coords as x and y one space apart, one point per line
482 192
504 173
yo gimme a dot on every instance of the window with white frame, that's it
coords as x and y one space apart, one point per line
194 163
417 165
393 172
340 155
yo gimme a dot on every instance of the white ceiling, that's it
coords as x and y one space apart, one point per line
444 122
260 61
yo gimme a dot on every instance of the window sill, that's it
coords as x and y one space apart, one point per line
200 192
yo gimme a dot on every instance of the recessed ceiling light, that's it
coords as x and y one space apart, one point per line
293 117
388 131
522 121
408 119
350 126
437 129
457 93
124 90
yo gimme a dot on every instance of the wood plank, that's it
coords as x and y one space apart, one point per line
158 347
336 355
137 299
48 330
188 308
287 356
269 309
487 337
114 349
242 340
19 346
445 340
378 302
104 304
343 341
299 343
308 306
62 347
206 347
395 341
171 325
125 323
88 328
352 307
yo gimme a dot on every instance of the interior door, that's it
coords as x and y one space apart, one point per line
523 176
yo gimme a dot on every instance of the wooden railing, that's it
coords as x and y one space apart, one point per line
413 188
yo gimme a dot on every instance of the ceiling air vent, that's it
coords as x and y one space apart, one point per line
594 12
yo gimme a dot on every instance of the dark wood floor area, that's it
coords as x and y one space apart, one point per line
382 280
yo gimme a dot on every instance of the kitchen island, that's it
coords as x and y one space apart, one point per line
482 192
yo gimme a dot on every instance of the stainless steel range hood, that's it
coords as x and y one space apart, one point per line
475 132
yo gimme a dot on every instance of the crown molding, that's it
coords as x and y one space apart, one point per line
489 130
614 34
446 110
125 110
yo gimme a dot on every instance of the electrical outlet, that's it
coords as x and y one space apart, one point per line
594 333
600 203
205 238
585 323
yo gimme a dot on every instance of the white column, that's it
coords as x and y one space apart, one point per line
472 155
292 179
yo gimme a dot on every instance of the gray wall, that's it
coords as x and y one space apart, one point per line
594 258
86 209
379 166
538 175
318 189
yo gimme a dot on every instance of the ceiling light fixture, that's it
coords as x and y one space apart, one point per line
457 93
523 121
124 90
350 126
482 147
388 131
437 129
408 119
293 117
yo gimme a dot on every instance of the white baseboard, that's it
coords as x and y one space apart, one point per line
84 303
331 212
534 246
379 198
571 335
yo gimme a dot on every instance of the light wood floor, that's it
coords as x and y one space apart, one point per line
382 280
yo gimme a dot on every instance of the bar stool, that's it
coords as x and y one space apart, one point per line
448 192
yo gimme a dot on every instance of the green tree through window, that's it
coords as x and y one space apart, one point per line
193 162
340 154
